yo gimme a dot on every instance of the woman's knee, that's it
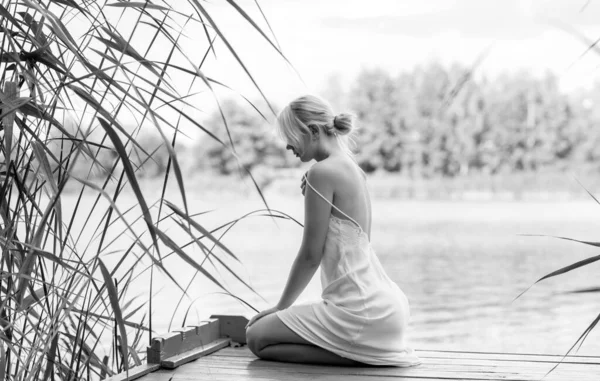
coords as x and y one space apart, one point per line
255 338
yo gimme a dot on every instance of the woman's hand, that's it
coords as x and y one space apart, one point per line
261 315
303 183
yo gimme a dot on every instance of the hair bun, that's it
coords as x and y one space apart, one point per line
342 123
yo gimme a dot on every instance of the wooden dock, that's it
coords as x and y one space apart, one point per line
219 360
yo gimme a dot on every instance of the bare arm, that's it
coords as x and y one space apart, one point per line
316 221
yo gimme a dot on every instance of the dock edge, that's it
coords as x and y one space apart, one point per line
189 343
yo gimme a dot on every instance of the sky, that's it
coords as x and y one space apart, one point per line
324 38
320 38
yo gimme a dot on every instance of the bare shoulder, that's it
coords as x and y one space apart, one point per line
329 172
322 174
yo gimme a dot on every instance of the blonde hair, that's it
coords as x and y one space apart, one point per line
307 110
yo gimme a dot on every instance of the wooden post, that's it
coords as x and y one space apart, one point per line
182 340
233 327
187 344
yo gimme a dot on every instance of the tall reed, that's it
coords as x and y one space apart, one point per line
71 73
574 266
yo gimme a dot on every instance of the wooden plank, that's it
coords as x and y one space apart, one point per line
295 371
182 340
293 375
508 356
450 371
489 366
215 361
237 376
232 326
429 354
136 372
195 353
215 367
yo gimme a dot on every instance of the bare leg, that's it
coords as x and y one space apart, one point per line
304 354
270 339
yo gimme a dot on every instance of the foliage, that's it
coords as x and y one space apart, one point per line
428 122
254 139
71 73
434 122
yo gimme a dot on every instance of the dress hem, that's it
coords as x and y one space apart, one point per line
340 352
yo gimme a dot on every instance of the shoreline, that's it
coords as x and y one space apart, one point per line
510 188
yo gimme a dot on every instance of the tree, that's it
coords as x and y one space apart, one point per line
254 139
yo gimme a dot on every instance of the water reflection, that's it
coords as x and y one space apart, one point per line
460 264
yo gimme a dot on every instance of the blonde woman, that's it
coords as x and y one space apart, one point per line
362 316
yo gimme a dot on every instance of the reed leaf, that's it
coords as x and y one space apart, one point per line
51 357
111 319
202 230
202 11
173 246
71 88
2 360
580 341
114 301
138 4
130 175
210 253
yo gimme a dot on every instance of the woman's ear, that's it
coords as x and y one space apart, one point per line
314 131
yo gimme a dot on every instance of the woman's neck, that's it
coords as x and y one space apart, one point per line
328 147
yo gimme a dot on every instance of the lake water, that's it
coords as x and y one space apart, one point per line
461 264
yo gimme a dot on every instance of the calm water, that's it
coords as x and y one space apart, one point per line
461 264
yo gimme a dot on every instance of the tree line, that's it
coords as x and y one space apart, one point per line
436 121
428 122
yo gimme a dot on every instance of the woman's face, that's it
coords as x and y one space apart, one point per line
305 156
293 149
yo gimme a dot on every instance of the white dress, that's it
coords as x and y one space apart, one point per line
363 314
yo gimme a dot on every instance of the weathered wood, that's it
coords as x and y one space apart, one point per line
208 365
232 376
241 364
232 326
301 372
182 340
229 363
528 357
447 364
195 353
458 355
135 373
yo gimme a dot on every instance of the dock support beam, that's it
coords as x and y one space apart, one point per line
187 344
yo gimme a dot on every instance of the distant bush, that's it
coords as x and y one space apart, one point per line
433 122
254 138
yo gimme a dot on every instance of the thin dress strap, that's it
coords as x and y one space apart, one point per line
330 203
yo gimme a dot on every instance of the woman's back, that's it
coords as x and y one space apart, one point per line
350 195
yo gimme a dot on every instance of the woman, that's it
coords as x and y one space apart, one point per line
363 316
